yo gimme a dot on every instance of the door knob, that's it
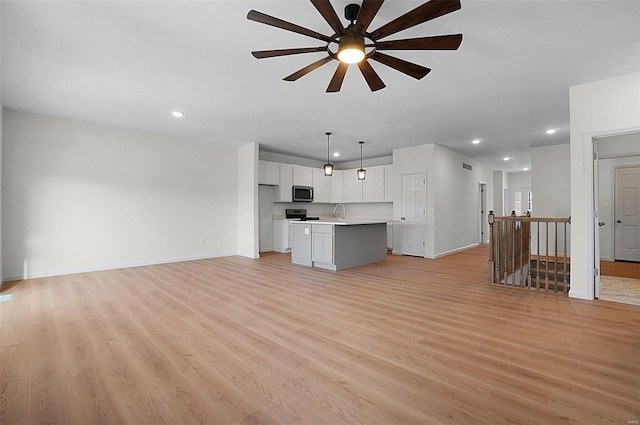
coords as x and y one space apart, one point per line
403 218
601 223
618 221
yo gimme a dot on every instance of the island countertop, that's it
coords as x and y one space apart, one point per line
347 222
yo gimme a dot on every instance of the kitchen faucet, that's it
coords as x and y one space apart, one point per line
344 210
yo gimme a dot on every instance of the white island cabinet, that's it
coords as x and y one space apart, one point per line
301 243
336 245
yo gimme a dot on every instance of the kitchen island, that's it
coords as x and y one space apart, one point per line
338 244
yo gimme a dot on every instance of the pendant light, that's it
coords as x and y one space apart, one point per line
362 173
328 167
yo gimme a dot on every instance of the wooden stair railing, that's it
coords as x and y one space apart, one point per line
511 261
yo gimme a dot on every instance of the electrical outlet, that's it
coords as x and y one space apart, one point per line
204 241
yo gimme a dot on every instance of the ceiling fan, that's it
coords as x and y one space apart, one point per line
354 44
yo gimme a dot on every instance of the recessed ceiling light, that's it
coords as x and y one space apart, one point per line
476 141
525 169
506 158
551 131
336 154
177 114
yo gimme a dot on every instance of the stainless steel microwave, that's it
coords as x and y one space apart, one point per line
302 194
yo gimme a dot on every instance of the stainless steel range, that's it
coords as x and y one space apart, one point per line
299 213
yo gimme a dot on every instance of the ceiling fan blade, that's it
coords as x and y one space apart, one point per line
411 69
374 81
329 14
256 16
430 10
261 54
367 12
439 42
307 69
338 77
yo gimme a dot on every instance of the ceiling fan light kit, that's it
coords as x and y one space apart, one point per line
350 41
351 49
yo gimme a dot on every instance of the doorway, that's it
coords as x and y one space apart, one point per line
616 220
414 213
482 195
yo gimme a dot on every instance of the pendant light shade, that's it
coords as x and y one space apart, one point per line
362 173
328 167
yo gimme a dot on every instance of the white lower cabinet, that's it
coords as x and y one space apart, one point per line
322 244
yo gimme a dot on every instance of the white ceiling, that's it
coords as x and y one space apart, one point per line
128 64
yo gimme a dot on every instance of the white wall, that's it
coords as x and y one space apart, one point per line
551 188
499 185
452 221
605 107
1 114
80 196
551 181
416 159
622 145
248 204
1 144
457 200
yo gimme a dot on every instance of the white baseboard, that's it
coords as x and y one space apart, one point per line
113 267
579 295
453 251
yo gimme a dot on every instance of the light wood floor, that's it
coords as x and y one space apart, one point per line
240 341
620 289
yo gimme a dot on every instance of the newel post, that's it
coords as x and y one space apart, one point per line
491 249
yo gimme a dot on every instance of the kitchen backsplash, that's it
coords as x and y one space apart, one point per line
372 210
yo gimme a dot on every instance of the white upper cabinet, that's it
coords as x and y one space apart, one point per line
302 176
388 187
336 187
351 187
342 187
322 186
286 181
269 173
373 184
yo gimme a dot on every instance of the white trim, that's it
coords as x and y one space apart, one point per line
579 295
588 139
619 155
113 267
453 251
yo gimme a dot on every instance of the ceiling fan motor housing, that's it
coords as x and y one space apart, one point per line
351 12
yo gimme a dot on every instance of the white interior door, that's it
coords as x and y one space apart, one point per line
627 213
414 212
